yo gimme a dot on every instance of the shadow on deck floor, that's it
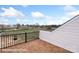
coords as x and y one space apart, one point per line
36 46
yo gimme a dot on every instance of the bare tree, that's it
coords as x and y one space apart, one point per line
18 26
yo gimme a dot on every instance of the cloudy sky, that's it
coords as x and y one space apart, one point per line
41 14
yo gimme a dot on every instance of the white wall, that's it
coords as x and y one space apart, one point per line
66 36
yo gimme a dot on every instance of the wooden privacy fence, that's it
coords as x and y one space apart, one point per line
7 40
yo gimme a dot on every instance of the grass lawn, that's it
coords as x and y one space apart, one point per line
18 31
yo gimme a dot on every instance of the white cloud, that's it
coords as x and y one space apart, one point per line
49 20
69 8
38 15
18 20
56 20
11 12
4 21
74 13
71 11
46 19
63 19
21 21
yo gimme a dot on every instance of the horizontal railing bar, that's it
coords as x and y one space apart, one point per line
17 33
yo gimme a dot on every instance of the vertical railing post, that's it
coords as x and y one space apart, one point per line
1 43
25 37
37 35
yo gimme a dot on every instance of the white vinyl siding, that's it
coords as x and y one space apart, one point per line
66 36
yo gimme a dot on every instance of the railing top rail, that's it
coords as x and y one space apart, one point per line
6 34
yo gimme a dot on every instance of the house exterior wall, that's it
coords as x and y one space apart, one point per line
66 36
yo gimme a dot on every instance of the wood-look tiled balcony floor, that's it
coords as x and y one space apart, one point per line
36 46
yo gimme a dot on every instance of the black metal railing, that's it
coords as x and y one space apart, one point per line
7 40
